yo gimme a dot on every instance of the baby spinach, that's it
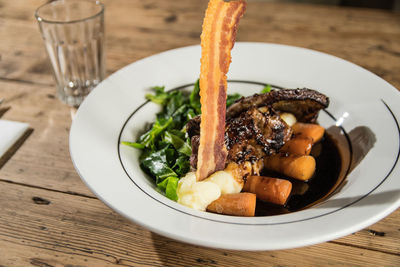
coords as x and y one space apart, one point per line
157 164
267 88
230 99
195 98
165 146
169 186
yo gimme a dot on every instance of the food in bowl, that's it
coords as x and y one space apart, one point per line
229 160
169 149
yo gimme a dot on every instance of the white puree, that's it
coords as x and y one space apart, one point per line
198 195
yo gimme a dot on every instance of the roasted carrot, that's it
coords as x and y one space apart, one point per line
300 167
298 145
269 189
240 204
314 131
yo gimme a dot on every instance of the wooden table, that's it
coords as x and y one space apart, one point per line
48 217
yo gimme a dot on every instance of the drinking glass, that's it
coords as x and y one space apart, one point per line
73 33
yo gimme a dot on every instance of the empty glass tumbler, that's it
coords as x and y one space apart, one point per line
73 33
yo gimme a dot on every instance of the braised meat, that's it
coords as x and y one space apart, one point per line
254 134
254 129
250 137
304 103
193 127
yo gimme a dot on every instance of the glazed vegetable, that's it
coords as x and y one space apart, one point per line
300 167
298 145
165 146
314 131
273 190
240 204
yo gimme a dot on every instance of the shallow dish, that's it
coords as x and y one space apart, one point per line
364 112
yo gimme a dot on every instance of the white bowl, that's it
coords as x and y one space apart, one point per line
365 106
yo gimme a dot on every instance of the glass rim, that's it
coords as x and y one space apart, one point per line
41 19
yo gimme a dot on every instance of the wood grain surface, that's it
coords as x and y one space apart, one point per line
48 217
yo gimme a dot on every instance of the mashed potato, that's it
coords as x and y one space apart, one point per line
198 195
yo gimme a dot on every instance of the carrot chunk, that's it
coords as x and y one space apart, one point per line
298 145
268 189
301 167
240 204
314 131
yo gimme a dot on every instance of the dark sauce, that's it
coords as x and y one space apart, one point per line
304 194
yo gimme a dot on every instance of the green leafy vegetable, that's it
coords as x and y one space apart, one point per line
266 89
148 139
182 165
133 144
179 144
165 146
190 114
156 163
160 97
176 100
169 186
230 99
195 98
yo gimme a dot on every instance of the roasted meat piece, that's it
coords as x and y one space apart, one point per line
254 129
249 137
254 134
304 103
193 127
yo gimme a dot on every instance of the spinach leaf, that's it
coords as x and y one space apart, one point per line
170 191
182 165
179 117
176 100
230 99
169 186
133 144
160 97
148 139
171 154
179 144
195 98
190 114
186 148
179 133
266 89
156 163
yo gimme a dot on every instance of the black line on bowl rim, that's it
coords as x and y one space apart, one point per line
264 224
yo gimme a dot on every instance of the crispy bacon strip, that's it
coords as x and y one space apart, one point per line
217 39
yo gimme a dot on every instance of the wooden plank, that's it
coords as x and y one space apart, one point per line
369 38
27 60
44 159
37 226
381 236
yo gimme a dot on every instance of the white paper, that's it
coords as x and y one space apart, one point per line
10 132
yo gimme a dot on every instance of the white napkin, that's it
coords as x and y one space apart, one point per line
10 132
